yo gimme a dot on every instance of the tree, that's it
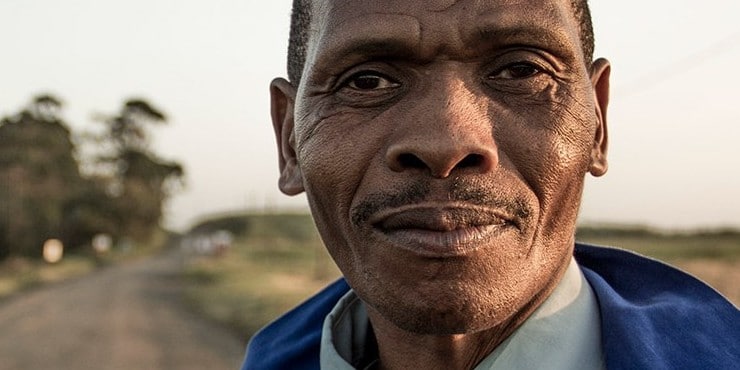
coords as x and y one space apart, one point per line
38 176
44 194
139 180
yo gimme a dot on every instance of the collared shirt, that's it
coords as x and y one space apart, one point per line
563 333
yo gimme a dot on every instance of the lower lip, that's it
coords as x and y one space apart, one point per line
441 244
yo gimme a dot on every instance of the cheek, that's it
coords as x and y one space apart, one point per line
336 154
552 164
328 183
549 145
327 154
548 141
337 146
329 171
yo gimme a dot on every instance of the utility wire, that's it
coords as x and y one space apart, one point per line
680 66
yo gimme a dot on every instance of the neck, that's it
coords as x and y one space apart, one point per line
400 349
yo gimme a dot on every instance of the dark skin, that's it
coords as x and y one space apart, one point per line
443 148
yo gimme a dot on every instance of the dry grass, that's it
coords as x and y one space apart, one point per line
723 275
260 277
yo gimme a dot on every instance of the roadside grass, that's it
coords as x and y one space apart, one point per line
277 264
277 261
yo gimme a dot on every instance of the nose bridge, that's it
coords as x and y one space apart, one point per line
447 128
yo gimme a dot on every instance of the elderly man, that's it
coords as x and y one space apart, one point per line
443 147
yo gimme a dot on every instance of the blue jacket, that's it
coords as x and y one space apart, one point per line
652 317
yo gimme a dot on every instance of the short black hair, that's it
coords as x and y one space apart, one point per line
300 22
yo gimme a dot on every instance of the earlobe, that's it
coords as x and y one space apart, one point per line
600 71
282 98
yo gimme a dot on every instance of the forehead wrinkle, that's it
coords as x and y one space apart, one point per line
542 22
364 35
547 26
522 35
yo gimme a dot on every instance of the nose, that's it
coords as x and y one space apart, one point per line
444 133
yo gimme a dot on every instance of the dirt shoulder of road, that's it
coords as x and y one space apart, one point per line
20 274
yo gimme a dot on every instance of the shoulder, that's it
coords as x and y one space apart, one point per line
293 340
656 316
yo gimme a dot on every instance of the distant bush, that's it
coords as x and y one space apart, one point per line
614 231
296 226
235 224
292 226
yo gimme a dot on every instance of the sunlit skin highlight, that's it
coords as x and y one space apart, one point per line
443 148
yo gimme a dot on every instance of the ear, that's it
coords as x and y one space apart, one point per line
600 71
282 103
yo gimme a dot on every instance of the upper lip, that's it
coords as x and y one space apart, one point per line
441 217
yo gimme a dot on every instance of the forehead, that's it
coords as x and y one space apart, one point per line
441 26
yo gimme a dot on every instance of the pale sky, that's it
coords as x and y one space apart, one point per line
674 118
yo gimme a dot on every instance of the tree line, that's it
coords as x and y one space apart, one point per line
49 188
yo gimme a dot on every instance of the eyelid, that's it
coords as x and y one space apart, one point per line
537 58
367 95
538 68
371 68
367 72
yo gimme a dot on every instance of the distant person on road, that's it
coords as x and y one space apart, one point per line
443 146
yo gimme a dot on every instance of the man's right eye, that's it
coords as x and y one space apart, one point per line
367 80
519 70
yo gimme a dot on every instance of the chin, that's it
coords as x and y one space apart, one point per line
442 309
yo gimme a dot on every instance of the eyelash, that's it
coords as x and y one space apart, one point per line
371 74
536 70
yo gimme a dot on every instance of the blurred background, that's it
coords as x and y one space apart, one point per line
137 164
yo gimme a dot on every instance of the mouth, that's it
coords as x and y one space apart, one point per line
440 231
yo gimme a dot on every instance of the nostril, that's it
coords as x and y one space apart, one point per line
440 161
471 160
408 160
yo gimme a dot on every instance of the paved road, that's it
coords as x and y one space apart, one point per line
123 317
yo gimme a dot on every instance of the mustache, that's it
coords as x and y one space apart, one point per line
458 190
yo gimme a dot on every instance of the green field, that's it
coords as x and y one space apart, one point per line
277 261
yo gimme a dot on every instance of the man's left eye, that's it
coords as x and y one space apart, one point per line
516 71
370 81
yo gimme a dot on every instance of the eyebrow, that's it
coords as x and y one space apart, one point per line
527 35
374 48
370 40
492 29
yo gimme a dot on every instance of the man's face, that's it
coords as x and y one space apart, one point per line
443 147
